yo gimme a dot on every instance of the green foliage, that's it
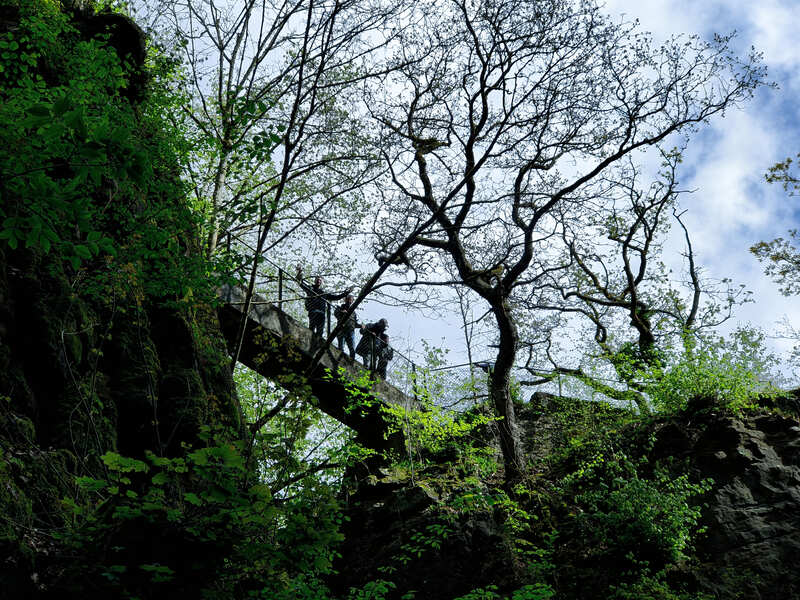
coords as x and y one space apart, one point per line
78 137
420 542
358 390
372 590
300 454
731 372
87 176
528 539
785 173
428 429
487 593
629 513
528 592
651 587
651 519
624 519
432 430
781 256
208 499
297 446
630 361
781 259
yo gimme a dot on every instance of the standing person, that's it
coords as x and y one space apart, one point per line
348 328
317 302
370 341
384 353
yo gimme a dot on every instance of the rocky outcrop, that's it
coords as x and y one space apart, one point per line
94 358
750 522
403 533
752 514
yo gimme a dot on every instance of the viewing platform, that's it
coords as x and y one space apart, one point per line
276 346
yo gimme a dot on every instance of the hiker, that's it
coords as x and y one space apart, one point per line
317 302
384 353
368 345
346 334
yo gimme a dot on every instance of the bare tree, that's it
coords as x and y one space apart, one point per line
270 84
496 134
267 96
616 281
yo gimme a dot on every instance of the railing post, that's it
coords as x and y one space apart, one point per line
328 317
280 288
414 380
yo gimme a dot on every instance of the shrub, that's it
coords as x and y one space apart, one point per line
732 372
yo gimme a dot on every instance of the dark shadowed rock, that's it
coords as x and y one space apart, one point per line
753 512
751 517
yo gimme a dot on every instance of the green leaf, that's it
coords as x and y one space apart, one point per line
39 110
90 484
74 120
34 122
92 153
61 105
119 135
32 239
199 457
192 498
50 235
123 464
82 251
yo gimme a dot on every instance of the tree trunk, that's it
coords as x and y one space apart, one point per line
500 394
216 201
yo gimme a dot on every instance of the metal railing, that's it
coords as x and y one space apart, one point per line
453 387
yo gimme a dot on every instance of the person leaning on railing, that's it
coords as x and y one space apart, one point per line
349 327
384 353
317 302
369 344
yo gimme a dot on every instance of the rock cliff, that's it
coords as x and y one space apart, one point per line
752 513
94 358
744 544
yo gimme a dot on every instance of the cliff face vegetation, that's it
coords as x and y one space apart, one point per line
697 505
132 465
100 353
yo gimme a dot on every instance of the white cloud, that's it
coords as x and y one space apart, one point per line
728 171
733 206
774 25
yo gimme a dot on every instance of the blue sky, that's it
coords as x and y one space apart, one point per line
733 207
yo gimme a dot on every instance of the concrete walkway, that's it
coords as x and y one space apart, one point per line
279 348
